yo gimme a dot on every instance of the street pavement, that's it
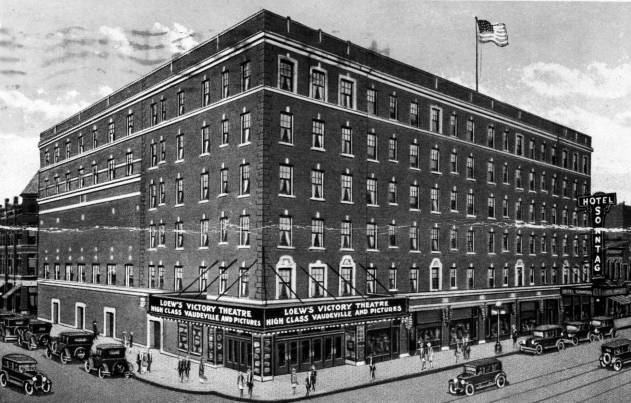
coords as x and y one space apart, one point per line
571 375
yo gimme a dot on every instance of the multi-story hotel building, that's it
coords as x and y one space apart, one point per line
18 252
278 197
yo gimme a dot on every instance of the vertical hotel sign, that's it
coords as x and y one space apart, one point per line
597 206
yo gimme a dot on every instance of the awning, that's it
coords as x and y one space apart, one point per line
621 299
11 291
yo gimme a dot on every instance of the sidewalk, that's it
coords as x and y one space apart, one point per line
223 381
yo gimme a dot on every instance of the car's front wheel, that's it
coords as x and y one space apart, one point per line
500 381
48 353
575 340
86 366
539 349
44 340
101 373
469 390
617 365
63 357
28 388
452 388
46 387
3 379
600 336
80 353
560 346
593 337
602 363
606 358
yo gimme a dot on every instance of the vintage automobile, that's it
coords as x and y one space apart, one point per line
478 374
35 334
602 326
576 331
21 370
615 354
544 337
10 326
70 344
108 360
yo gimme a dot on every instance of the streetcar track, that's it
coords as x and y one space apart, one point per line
602 393
581 387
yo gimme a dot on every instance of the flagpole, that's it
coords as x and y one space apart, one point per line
476 54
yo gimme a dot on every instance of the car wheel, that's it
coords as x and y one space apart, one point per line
602 363
46 387
469 390
575 341
539 349
44 340
101 373
452 388
28 389
80 353
560 346
617 365
32 345
600 336
500 382
3 379
606 358
86 366
63 357
592 337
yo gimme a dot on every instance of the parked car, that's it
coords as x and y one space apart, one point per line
108 360
576 331
35 334
10 325
615 354
21 370
478 374
70 344
602 326
544 337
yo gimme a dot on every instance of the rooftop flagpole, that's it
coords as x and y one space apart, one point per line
476 54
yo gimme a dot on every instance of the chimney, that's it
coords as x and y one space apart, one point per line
15 200
6 203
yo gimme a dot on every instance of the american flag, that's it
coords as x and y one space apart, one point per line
495 33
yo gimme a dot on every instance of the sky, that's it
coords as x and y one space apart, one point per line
566 61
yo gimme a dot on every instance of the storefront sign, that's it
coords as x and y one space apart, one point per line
266 318
597 206
575 291
605 292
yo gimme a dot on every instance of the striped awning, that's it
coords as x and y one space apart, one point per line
621 299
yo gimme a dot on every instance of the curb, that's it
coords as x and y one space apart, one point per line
315 394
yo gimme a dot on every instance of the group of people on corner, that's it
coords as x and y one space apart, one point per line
426 354
310 380
144 360
184 368
245 380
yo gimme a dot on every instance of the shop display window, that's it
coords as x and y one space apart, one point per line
429 334
378 342
182 336
196 347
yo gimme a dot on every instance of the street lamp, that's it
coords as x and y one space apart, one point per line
498 312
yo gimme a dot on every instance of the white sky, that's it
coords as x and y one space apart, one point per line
568 62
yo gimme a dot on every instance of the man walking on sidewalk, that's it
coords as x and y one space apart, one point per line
240 383
149 360
313 377
430 355
187 368
95 329
371 367
249 381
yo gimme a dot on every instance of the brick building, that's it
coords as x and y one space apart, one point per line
18 252
278 197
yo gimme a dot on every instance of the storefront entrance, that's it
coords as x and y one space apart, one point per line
326 351
238 352
154 334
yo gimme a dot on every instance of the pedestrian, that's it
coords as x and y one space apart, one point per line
240 383
514 334
249 381
131 340
430 355
124 339
144 363
294 380
307 385
187 368
149 360
314 376
138 360
458 350
371 367
180 369
95 329
202 377
423 355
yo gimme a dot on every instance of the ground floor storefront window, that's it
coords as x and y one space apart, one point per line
505 322
428 328
527 316
301 352
463 326
383 343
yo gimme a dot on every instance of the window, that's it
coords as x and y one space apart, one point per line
205 140
434 199
519 276
163 150
519 210
371 281
161 192
393 154
371 192
179 145
371 146
67 181
129 275
544 274
585 165
505 173
491 206
392 236
179 190
531 181
553 155
490 137
284 231
111 133
435 119
318 84
95 174
177 284
393 111
203 278
154 153
490 276
371 101
316 282
225 131
505 276
531 149
180 103
414 237
347 141
371 236
453 161
246 76
162 234
564 160
244 230
154 113
111 274
225 84
544 244
80 147
179 234
453 199
56 274
518 183
453 124
414 197
453 238
434 160
129 164
347 188
244 283
470 167
286 75
130 123
435 276
414 121
414 160
317 184
434 244
317 233
286 174
203 231
95 138
223 228
392 192
317 134
81 175
244 174
470 278
346 231
471 130
519 144
518 243
223 181
413 279
286 128
111 169
152 236
531 244
245 128
347 280
68 153
392 279
346 93
205 92
470 241
470 203
490 242
153 195
490 172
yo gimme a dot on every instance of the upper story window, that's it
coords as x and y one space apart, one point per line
286 175
179 146
414 159
153 111
244 173
347 140
111 169
317 134
490 136
414 121
347 188
317 184
393 108
246 76
434 160
371 101
130 123
471 130
205 92
505 140
347 93
205 139
453 124
318 84
393 149
453 161
180 103
470 167
68 151
129 163
531 149
111 133
519 144
585 164
371 146
564 161
80 147
163 109
225 131
225 84
285 230
286 128
543 152
286 74
245 127
95 138
435 119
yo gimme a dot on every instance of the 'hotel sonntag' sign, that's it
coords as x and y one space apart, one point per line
597 206
272 318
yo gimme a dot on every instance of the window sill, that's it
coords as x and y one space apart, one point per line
202 201
203 248
320 149
435 251
152 209
178 161
243 196
222 243
471 179
417 210
393 247
318 248
285 247
415 169
284 143
224 145
435 212
287 196
436 172
222 195
392 204
247 143
152 168
372 205
393 161
180 248
319 199
346 202
347 250
347 155
179 205
414 251
243 246
372 250
206 154
161 204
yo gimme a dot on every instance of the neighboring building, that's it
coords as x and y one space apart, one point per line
18 252
278 197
